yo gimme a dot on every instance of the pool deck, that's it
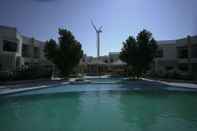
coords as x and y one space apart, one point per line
22 87
179 84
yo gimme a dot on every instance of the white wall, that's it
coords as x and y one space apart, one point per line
169 51
8 59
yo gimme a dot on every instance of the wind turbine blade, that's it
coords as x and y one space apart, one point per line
93 25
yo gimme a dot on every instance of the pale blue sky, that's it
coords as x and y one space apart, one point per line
166 19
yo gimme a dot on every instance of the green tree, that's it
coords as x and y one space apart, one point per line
139 53
65 54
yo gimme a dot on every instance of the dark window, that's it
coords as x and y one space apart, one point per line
111 60
159 53
168 68
27 63
36 52
194 69
194 51
9 46
25 50
183 67
182 52
18 62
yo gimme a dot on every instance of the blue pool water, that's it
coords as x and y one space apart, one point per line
120 106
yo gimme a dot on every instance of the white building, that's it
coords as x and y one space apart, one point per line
174 57
17 50
109 64
177 57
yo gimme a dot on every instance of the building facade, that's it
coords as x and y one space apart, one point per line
177 57
174 58
17 50
103 65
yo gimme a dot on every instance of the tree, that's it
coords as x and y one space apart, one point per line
66 54
138 53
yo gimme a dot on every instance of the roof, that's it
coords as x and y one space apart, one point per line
7 27
166 42
118 62
114 53
97 61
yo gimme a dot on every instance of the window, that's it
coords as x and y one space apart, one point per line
9 46
111 60
194 51
159 53
168 68
106 61
36 52
27 63
25 50
182 52
18 62
183 67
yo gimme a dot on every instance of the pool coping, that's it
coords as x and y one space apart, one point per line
7 90
177 84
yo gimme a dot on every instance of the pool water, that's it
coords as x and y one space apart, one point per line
132 106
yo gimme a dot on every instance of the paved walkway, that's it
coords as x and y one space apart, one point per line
6 91
179 84
10 89
26 86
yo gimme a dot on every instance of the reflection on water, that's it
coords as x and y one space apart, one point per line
141 86
101 110
50 112
152 112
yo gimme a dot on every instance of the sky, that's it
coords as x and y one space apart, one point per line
166 19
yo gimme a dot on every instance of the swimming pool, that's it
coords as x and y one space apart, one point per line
126 106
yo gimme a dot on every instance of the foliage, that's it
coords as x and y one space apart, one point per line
139 53
66 54
32 72
26 73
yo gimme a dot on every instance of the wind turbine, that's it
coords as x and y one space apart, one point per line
98 32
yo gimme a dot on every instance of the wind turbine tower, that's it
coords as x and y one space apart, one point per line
98 32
